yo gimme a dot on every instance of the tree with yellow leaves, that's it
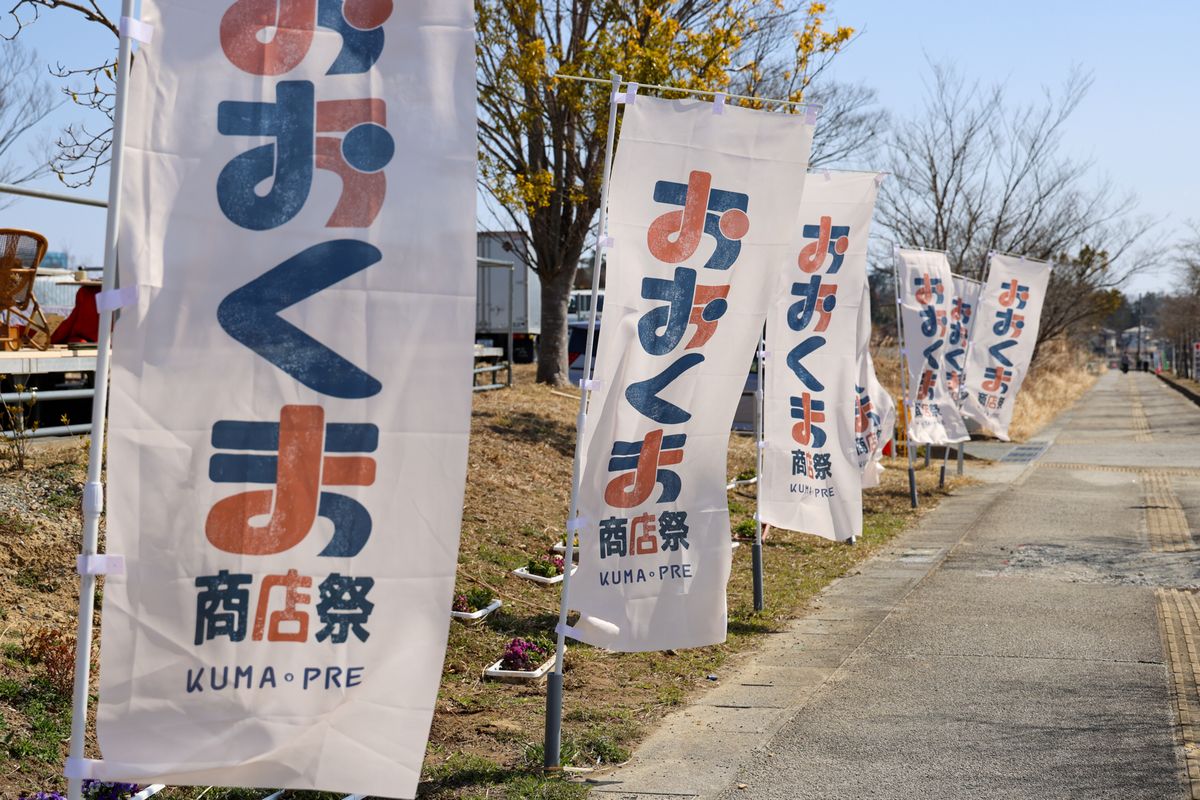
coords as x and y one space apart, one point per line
541 140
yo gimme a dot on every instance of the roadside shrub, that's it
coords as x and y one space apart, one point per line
54 651
14 418
745 529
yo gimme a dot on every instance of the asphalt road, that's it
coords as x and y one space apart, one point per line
1035 637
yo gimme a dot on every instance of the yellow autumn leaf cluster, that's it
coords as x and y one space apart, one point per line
541 139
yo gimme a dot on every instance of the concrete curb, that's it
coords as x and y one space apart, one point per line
1183 390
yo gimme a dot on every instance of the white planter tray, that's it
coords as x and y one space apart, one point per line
518 676
476 616
736 545
522 572
561 549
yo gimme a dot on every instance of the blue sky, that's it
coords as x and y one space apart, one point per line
1137 122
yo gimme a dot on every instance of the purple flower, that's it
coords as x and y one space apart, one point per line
522 655
108 790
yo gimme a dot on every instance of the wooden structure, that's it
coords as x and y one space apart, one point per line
20 254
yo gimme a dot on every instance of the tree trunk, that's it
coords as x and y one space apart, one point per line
552 343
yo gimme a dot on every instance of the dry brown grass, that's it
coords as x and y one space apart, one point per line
1059 376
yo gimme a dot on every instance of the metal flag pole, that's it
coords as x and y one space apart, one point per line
759 442
814 107
552 747
912 473
93 489
961 447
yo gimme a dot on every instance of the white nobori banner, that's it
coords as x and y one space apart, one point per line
1003 339
812 478
702 212
963 305
874 409
299 222
924 286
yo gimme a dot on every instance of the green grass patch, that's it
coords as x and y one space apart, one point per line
45 720
482 777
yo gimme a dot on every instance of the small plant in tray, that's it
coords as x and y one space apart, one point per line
473 605
523 660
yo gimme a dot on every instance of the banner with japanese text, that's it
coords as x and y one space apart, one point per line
811 478
1003 339
963 303
874 409
702 210
290 393
924 286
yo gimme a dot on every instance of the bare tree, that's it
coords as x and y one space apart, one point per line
851 126
83 148
542 139
776 62
1179 314
1187 261
25 101
974 173
1081 291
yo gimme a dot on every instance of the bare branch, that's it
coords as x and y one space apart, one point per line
974 174
24 104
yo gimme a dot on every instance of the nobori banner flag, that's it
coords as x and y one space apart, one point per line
874 409
876 422
963 303
924 289
702 212
285 492
1002 341
811 479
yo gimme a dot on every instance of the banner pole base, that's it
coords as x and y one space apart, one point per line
912 486
552 761
756 557
960 458
942 478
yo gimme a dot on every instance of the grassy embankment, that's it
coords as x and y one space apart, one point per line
486 736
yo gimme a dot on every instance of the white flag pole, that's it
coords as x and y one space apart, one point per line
552 759
93 489
905 405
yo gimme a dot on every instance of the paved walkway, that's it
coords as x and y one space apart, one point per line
1034 637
